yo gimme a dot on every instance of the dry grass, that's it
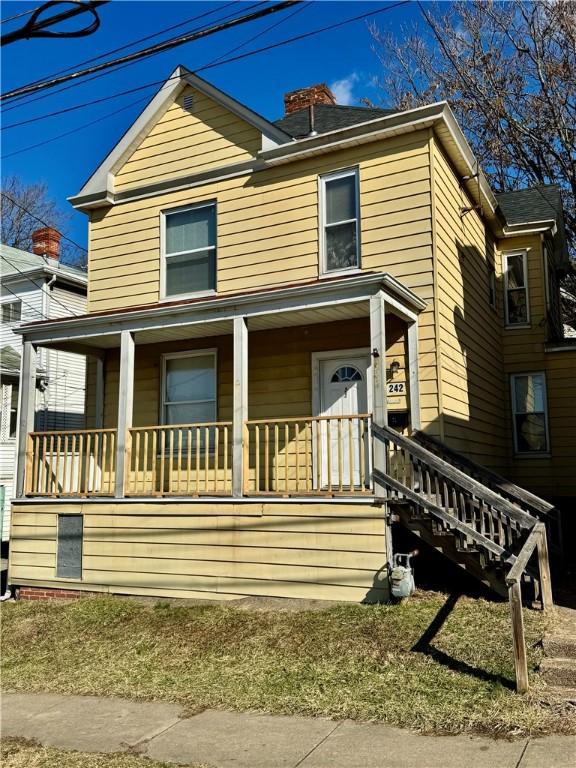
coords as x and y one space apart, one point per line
346 661
21 753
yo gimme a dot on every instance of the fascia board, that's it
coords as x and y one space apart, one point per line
264 302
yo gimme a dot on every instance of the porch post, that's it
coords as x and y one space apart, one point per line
125 408
99 392
378 349
240 403
414 375
26 410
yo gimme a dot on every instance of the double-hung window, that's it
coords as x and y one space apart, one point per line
340 221
516 288
11 311
189 250
189 387
529 413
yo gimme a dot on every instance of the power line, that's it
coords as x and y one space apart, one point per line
19 15
37 27
20 101
129 91
201 69
33 215
153 50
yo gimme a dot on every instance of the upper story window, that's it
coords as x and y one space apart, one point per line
189 257
340 219
529 413
516 288
11 311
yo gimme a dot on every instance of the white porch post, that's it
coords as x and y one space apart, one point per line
26 410
125 408
414 375
378 347
240 403
99 392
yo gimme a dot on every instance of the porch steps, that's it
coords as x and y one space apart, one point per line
558 667
472 516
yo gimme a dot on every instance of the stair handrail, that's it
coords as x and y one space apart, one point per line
537 504
522 518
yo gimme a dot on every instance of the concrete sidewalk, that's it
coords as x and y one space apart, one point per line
236 740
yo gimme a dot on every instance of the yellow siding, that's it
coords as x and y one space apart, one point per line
174 549
184 142
469 329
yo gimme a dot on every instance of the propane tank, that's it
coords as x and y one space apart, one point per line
402 575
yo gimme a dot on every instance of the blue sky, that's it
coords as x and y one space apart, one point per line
342 58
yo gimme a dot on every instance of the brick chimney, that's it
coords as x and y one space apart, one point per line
305 97
46 242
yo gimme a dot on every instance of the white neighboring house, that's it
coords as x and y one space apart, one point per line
36 286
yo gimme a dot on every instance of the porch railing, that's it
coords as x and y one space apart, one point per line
322 455
72 463
180 460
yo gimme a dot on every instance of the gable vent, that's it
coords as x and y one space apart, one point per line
188 102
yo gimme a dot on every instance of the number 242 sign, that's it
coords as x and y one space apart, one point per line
396 388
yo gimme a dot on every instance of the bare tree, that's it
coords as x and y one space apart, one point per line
25 208
508 70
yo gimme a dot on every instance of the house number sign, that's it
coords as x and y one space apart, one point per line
397 388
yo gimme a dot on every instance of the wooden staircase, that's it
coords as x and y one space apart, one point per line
469 514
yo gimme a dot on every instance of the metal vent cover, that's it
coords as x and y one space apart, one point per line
188 102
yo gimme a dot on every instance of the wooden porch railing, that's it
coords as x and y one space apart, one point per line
71 463
325 455
180 460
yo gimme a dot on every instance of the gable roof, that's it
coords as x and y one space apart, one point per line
328 117
98 184
15 263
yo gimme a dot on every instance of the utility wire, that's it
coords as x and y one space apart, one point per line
22 208
20 101
32 307
37 27
19 15
73 108
200 69
38 285
153 50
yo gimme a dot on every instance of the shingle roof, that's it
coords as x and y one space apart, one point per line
539 203
328 117
9 360
14 260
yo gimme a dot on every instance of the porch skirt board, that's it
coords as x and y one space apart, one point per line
223 551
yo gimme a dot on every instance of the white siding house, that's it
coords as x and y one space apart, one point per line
35 287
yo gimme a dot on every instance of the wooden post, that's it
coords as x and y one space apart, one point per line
544 569
26 411
125 409
520 663
99 392
413 375
379 404
240 404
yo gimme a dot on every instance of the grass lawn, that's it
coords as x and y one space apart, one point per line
384 663
20 753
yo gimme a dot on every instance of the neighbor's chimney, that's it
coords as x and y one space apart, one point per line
46 242
305 97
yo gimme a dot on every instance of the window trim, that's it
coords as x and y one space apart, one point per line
163 255
322 179
505 256
213 351
517 452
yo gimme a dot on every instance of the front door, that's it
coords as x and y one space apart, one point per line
343 443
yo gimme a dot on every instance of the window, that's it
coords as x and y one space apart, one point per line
516 288
340 220
492 286
346 373
189 388
11 311
190 250
529 413
8 412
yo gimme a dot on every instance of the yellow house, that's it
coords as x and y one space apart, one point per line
298 333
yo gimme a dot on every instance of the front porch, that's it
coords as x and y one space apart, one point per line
294 379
